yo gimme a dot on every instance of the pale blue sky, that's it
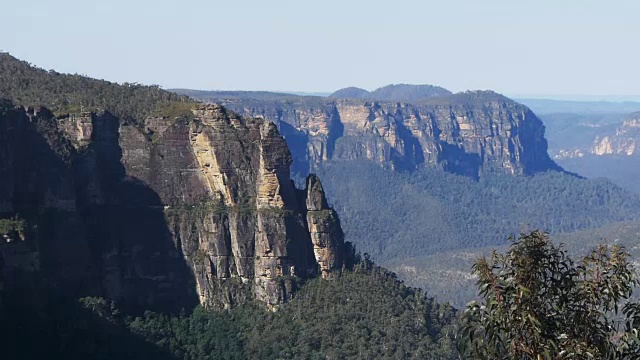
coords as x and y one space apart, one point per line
511 46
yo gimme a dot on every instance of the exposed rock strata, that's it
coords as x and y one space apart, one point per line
324 228
470 133
165 212
625 141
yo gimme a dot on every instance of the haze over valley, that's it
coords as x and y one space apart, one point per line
162 196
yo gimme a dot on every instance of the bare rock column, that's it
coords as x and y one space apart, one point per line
324 228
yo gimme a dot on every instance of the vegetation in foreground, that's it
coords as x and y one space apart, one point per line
537 303
446 275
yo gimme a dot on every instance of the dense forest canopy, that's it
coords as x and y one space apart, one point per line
363 314
27 85
395 215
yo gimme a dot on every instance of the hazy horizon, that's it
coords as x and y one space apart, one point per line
554 97
546 47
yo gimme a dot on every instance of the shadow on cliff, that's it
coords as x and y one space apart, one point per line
141 267
455 160
37 182
297 142
413 156
38 322
40 317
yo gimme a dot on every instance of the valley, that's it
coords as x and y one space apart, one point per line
153 217
336 180
462 213
593 139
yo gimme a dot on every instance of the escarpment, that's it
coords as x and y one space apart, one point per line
625 141
166 212
471 133
619 139
324 227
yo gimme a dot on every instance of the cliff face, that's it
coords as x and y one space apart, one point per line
164 213
625 141
470 133
597 136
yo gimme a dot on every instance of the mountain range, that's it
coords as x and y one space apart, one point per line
157 211
469 133
130 199
443 173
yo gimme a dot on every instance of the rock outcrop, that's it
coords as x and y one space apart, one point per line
471 133
625 141
325 230
164 213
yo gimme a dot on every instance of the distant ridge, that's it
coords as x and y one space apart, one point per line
207 95
393 92
351 93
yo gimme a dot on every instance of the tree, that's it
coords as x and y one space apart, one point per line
537 303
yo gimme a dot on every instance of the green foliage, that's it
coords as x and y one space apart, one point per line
102 308
203 335
364 314
175 109
379 209
11 225
538 304
40 324
361 314
446 275
221 96
200 209
62 93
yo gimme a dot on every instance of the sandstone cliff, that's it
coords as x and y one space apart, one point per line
165 212
625 141
471 133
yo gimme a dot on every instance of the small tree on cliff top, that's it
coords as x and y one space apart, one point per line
539 304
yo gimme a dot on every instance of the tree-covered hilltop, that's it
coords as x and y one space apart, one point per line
362 314
393 92
351 92
28 85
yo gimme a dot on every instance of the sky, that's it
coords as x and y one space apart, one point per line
565 48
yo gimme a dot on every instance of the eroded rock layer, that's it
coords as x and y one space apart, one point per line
625 141
469 133
165 213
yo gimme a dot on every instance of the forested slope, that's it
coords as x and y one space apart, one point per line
447 275
28 85
364 314
393 215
